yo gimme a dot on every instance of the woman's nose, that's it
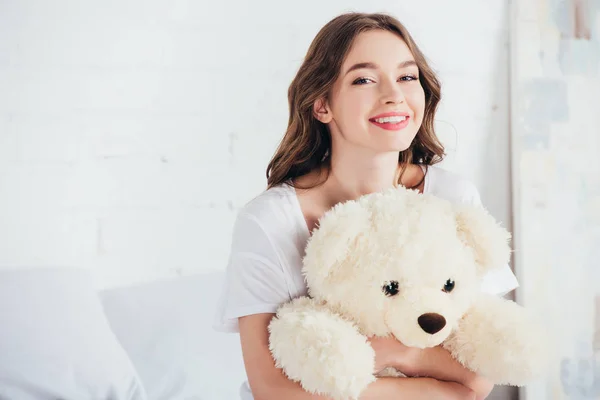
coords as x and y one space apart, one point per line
392 94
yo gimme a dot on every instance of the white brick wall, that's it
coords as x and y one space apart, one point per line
130 131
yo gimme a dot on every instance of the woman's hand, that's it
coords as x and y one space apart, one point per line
390 352
437 362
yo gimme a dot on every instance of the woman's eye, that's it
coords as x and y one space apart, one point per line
361 81
409 78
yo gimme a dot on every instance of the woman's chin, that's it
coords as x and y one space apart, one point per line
399 141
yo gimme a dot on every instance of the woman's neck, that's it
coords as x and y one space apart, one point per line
348 182
350 179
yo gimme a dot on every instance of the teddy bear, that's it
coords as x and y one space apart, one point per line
402 263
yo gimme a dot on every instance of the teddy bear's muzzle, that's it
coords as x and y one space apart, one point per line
432 322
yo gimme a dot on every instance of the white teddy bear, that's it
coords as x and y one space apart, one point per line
406 264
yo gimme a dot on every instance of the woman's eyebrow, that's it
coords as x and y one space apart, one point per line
370 65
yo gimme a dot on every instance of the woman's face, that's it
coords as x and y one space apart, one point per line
377 102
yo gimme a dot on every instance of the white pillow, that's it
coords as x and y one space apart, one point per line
166 328
55 341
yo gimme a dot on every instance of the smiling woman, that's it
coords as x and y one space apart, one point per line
354 63
362 107
378 104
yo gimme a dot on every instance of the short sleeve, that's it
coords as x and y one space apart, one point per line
254 280
500 281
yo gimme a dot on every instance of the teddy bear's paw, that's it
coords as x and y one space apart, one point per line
323 352
499 339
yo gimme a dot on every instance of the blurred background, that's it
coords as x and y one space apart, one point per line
132 131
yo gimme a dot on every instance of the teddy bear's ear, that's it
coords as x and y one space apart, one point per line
329 243
481 232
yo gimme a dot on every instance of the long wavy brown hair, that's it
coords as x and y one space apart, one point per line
306 144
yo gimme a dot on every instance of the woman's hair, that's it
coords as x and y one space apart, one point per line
307 142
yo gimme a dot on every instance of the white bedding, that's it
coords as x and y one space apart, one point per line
55 341
166 328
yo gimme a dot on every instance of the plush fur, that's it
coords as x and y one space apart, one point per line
420 245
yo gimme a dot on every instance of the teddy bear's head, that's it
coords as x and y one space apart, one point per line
403 263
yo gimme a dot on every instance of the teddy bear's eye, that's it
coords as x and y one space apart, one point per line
391 288
448 286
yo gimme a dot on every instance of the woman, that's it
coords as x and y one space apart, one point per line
362 110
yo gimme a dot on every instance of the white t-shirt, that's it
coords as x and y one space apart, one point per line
269 237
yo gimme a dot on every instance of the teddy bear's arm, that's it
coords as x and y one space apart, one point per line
497 339
319 349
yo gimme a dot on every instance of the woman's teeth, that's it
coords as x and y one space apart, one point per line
392 120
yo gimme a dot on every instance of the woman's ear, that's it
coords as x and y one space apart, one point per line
321 111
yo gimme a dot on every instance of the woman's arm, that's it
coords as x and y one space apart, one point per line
436 362
268 382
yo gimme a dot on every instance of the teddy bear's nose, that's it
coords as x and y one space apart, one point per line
432 322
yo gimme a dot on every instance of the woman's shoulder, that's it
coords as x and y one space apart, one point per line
273 209
451 186
269 200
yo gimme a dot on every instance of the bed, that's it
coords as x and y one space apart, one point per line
61 339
